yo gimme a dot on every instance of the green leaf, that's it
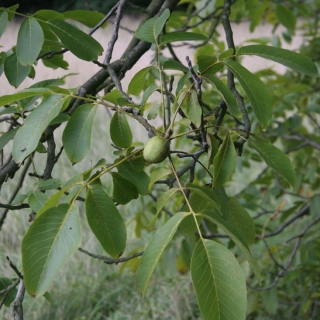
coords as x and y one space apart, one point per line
123 190
240 220
120 131
286 17
12 11
105 221
192 108
227 54
37 200
234 235
3 21
15 71
151 29
76 137
55 62
224 162
49 184
4 284
87 17
147 93
182 36
23 94
154 250
62 117
226 94
51 239
276 160
6 137
146 31
30 40
290 59
174 65
137 82
54 199
315 206
164 198
157 174
139 178
208 65
79 43
28 136
100 164
205 193
255 90
219 282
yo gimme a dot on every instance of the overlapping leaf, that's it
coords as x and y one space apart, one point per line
123 190
288 58
51 239
155 248
276 160
76 137
224 162
255 90
30 40
105 221
120 131
28 136
79 43
219 282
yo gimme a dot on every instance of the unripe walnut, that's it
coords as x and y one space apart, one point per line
156 149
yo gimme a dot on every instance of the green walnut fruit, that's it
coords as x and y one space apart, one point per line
156 149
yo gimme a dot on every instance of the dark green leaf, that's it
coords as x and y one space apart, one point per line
224 162
12 11
76 137
28 136
123 190
3 21
235 236
87 17
120 131
4 284
50 240
192 108
174 65
105 221
255 90
286 17
6 137
79 43
219 282
30 40
226 94
290 59
15 71
276 160
315 206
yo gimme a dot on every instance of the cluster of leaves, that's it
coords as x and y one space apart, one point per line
206 107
